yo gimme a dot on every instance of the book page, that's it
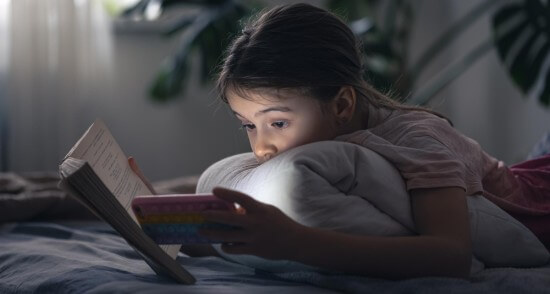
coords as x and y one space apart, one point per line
99 148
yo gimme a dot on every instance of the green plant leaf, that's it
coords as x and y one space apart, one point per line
522 36
169 80
208 33
383 63
350 10
213 40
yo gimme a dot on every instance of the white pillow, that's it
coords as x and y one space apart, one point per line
349 188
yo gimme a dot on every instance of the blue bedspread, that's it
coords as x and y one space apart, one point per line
90 257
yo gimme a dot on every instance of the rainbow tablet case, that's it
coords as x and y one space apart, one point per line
174 219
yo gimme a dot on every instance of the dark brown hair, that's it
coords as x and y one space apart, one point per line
300 47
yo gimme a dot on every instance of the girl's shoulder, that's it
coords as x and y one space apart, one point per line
400 117
407 121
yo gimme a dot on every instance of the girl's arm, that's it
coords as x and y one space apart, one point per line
442 248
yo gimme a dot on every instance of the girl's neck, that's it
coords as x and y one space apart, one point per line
357 123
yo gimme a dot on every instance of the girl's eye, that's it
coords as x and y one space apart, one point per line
248 127
280 124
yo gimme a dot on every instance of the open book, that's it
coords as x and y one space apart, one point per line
96 172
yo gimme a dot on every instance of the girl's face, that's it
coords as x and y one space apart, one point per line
277 121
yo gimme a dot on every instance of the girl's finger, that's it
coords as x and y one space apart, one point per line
247 202
139 173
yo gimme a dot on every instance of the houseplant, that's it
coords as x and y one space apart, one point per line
520 34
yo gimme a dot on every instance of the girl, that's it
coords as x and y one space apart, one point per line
294 76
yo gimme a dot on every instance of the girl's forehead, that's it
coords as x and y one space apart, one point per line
265 95
255 99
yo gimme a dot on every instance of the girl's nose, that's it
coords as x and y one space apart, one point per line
264 150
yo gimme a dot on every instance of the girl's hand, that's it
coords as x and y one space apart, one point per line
265 230
139 173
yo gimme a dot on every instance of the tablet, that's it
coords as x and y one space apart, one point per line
175 218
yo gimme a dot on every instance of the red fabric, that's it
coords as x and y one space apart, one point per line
534 179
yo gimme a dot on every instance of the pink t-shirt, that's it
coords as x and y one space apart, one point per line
430 153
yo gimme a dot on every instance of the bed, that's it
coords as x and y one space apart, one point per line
89 257
51 244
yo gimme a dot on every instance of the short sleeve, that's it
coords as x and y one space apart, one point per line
429 153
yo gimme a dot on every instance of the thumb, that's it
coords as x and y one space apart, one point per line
133 165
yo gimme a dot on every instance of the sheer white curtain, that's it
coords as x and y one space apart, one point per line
55 57
4 54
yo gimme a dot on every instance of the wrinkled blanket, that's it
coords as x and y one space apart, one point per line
35 195
90 257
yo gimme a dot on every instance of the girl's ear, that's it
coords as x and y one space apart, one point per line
344 104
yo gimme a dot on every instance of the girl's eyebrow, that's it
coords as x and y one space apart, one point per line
274 108
269 109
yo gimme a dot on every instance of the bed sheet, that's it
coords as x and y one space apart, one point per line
90 257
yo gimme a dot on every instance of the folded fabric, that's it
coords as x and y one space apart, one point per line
35 195
348 188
